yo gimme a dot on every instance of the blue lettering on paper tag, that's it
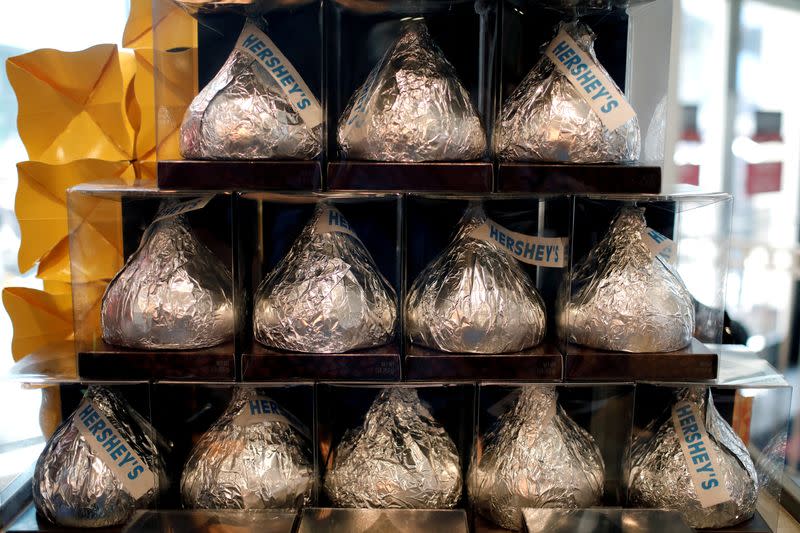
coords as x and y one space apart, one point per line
660 245
260 409
257 45
700 457
116 453
332 221
531 249
593 84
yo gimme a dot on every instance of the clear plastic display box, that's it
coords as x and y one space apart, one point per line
332 520
547 442
260 126
603 520
321 279
481 276
254 442
403 445
421 120
632 42
746 431
645 289
263 521
152 283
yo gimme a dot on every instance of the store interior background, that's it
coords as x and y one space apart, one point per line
735 127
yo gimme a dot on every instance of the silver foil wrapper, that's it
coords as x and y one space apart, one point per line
657 475
243 114
623 298
172 293
546 119
325 296
400 458
73 486
474 298
535 456
250 459
412 107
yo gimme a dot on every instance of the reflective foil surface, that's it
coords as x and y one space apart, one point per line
172 293
535 456
75 487
243 114
325 296
657 474
400 458
546 119
474 298
412 107
623 298
256 462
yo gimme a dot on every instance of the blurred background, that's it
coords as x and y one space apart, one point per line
737 113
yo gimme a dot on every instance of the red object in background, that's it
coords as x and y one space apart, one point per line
763 177
742 415
689 174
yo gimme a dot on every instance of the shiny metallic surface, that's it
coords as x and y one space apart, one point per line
260 464
535 456
74 487
413 107
325 296
623 298
657 475
400 458
474 298
243 114
546 119
172 293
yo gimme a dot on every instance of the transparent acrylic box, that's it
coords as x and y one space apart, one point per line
633 43
333 520
107 223
696 228
181 73
604 410
431 223
270 225
195 407
262 521
359 34
602 520
342 408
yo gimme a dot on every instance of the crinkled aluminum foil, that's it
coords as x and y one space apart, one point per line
412 107
74 487
242 7
251 463
172 293
474 298
401 458
243 114
326 296
623 298
535 456
546 119
657 475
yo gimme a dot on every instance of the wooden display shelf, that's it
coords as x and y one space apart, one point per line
553 178
107 362
540 363
693 363
457 176
382 363
255 175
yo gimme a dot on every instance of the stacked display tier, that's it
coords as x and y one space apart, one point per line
240 175
328 520
547 178
272 521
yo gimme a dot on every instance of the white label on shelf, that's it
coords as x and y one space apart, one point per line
539 251
332 221
592 82
257 45
107 443
179 208
261 409
660 245
700 457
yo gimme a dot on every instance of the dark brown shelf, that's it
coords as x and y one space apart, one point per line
757 524
693 363
29 521
254 175
107 362
540 363
458 176
568 178
383 363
